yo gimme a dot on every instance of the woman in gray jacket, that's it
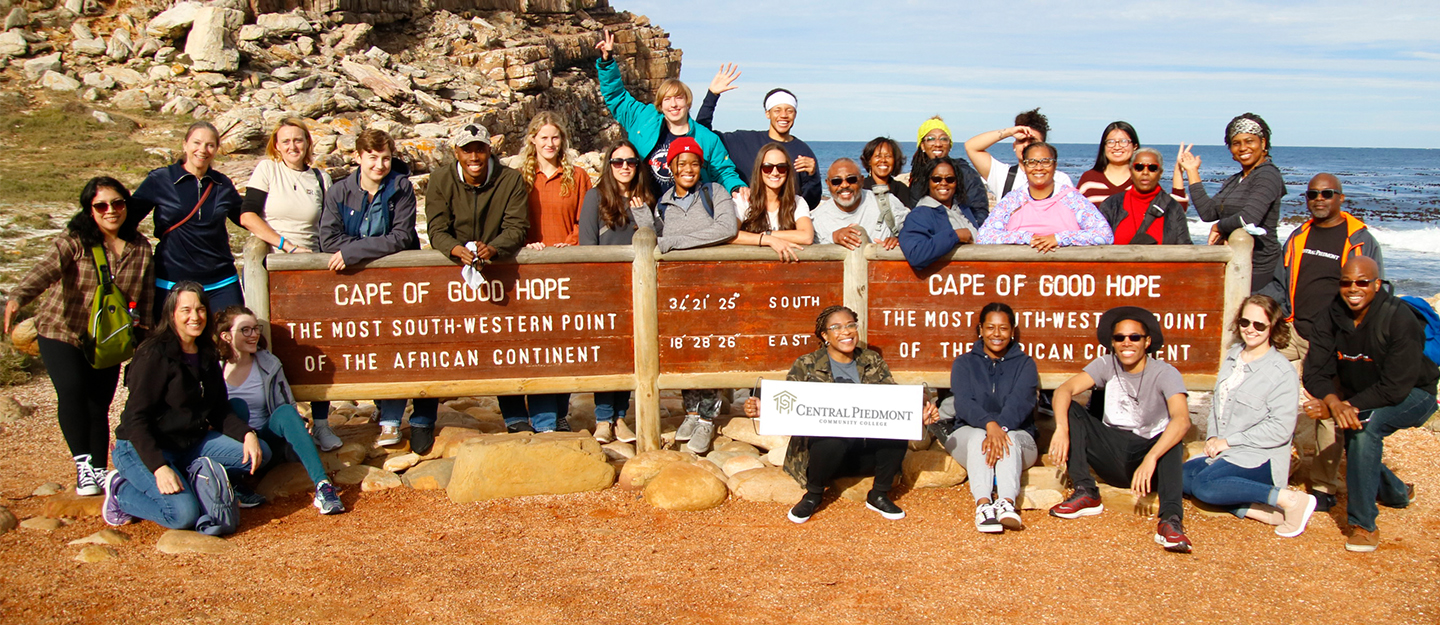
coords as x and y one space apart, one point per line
1252 419
260 394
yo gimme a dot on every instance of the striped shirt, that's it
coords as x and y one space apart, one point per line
66 276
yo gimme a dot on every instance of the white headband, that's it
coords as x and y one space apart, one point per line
778 98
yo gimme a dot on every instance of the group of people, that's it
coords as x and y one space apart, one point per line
209 406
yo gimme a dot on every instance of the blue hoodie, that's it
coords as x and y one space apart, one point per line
1003 391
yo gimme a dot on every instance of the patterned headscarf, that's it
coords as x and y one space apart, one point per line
1245 125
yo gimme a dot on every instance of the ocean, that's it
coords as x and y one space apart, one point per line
1396 192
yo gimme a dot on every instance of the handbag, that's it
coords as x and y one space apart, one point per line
110 337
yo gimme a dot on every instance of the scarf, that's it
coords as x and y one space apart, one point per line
1136 205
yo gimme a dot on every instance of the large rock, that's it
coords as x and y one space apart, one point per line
18 18
449 440
770 484
13 43
174 21
286 480
931 469
124 75
36 67
741 464
72 506
743 429
106 536
47 489
430 475
380 480
89 47
544 464
854 488
132 100
44 524
7 520
186 541
55 81
1124 500
211 43
685 486
1041 488
284 24
401 462
640 469
120 47
23 336
91 554
241 129
348 455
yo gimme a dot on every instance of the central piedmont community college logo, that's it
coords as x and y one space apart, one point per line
785 402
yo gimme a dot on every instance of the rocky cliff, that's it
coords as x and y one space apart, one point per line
412 67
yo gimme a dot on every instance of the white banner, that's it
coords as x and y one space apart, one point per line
844 410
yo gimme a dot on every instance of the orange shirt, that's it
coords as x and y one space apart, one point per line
555 218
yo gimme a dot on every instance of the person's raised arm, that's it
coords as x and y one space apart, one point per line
977 148
626 109
723 81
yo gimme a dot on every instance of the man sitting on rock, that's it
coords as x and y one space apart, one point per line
1368 367
853 216
1135 439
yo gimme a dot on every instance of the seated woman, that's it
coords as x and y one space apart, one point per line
177 415
883 160
815 460
1045 216
1143 214
994 386
1252 419
940 221
258 391
777 216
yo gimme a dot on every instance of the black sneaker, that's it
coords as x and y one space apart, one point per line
421 439
523 426
880 502
805 509
248 499
562 424
1323 501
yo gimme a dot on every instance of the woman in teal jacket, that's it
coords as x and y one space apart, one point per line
652 128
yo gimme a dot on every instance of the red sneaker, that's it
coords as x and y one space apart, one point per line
1079 504
1170 534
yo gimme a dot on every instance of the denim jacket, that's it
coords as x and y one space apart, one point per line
1258 418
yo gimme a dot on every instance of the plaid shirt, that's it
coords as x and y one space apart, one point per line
64 311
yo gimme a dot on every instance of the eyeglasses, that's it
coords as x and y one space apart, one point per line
851 179
249 330
940 139
1364 284
1145 167
624 162
1325 193
942 179
770 168
1113 143
116 204
838 327
1133 338
1038 163
1260 326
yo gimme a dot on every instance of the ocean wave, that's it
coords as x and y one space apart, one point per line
1422 239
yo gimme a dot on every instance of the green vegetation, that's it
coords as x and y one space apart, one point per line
48 153
14 366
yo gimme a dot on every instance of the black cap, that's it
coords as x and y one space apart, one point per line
1106 328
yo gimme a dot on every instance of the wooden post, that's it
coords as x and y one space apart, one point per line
857 287
1237 281
647 341
257 281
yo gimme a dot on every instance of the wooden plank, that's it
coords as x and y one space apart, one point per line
433 258
256 283
647 342
1096 253
463 388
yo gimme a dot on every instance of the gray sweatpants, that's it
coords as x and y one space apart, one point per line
1003 480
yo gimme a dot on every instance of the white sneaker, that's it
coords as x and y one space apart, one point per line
701 437
325 438
686 431
1008 517
389 435
985 519
604 432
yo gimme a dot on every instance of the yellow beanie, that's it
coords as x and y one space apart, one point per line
931 124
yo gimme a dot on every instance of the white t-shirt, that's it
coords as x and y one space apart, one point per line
1137 403
801 210
293 200
1000 171
829 217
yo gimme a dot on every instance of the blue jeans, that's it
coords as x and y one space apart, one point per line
611 405
1366 476
139 496
391 411
286 427
1220 483
542 410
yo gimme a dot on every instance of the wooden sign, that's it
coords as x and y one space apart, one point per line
401 324
921 323
741 315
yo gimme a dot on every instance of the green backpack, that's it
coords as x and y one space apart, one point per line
110 339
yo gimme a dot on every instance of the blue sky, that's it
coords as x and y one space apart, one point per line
1356 74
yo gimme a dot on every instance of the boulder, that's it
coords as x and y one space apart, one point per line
1041 488
124 75
447 443
619 451
36 67
91 554
350 476
743 429
55 81
12 43
72 506
186 541
174 21
132 100
740 464
640 469
349 454
106 536
770 484
544 464
120 47
44 524
931 469
211 43
98 80
7 520
685 486
18 18
379 480
776 456
241 129
284 24
1124 499
397 464
285 480
178 105
854 488
430 474
89 47
23 336
739 447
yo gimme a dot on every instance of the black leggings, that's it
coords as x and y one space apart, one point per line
84 395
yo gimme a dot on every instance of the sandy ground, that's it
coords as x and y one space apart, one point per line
608 557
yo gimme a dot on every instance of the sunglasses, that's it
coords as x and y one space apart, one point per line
1133 338
1325 193
115 205
942 179
1145 167
851 179
1034 163
770 168
1260 326
1364 284
624 162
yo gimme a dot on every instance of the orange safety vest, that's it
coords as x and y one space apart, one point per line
1296 245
